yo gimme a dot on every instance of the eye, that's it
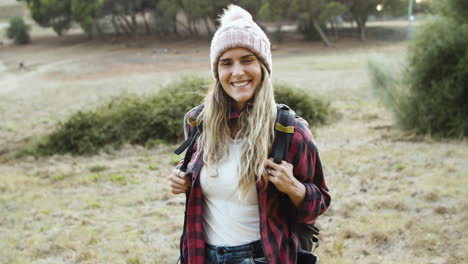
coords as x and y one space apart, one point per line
248 60
225 63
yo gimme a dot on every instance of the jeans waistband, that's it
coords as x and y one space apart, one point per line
254 247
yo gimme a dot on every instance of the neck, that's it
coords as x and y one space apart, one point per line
239 107
234 127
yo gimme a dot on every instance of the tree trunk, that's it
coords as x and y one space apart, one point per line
98 29
334 31
320 31
114 24
363 32
128 24
193 28
361 26
148 30
207 24
134 24
124 25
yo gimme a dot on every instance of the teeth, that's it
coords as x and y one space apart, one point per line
238 84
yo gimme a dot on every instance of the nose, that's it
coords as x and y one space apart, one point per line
238 69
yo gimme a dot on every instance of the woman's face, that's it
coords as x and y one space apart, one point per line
240 74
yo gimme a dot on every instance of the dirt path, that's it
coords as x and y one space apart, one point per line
397 198
8 80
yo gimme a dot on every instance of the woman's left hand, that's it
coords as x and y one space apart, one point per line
281 175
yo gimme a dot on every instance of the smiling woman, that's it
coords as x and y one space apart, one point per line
240 74
241 206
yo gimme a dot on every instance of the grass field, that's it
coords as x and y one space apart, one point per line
397 198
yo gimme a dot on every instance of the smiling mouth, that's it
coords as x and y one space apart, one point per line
240 84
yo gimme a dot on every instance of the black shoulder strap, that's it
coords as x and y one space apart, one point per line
284 131
191 138
188 144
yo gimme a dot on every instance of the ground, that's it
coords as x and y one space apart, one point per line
396 197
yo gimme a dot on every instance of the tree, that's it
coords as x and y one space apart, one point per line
330 13
124 14
51 13
308 14
165 14
85 12
360 11
18 31
276 11
396 8
457 9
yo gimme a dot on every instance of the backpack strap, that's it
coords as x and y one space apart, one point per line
192 137
284 131
196 131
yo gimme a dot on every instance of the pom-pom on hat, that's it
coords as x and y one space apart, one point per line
238 30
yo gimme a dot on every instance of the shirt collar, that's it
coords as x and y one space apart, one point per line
233 114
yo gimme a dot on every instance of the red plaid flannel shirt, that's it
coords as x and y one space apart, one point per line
277 211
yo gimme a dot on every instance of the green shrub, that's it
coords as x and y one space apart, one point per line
314 110
18 31
386 79
130 118
438 78
159 118
430 96
456 9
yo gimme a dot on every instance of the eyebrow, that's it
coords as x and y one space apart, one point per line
243 57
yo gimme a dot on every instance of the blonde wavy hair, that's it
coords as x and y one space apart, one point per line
256 129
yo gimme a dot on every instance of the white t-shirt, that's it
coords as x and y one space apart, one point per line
227 219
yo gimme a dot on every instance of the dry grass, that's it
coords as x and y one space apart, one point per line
396 198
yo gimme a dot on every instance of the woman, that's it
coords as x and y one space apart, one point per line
241 204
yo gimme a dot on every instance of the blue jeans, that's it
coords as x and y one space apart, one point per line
245 254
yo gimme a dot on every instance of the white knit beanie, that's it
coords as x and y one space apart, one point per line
238 30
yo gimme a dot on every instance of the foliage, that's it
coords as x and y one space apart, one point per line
275 11
308 13
437 76
456 9
399 8
360 11
431 96
144 120
331 10
386 79
315 18
85 13
51 13
166 12
18 31
314 110
129 118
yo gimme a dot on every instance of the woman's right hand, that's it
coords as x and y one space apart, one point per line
179 182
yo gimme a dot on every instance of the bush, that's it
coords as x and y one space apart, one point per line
314 110
145 120
129 118
456 9
386 79
434 101
438 77
18 31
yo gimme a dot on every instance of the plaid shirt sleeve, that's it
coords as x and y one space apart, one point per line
308 170
192 240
